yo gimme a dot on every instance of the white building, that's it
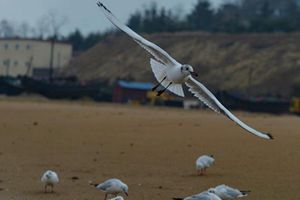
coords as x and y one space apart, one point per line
32 57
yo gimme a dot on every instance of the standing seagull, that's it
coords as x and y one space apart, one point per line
113 187
49 178
204 162
226 192
171 74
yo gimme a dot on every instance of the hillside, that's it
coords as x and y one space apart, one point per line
270 62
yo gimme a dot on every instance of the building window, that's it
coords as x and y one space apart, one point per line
28 47
6 62
6 46
17 46
16 63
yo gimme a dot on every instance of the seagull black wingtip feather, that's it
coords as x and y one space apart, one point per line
270 136
244 192
103 6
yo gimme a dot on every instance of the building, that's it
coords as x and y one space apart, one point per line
125 92
32 57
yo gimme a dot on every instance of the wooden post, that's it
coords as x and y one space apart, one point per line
51 59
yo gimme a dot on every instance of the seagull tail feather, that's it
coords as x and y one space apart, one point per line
245 192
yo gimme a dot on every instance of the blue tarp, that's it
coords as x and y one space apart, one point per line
135 85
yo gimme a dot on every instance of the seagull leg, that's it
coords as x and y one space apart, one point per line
155 87
201 172
105 196
162 91
45 188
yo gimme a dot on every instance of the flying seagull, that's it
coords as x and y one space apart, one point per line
171 74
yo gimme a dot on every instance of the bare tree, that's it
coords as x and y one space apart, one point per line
51 24
24 30
6 29
56 22
33 32
42 27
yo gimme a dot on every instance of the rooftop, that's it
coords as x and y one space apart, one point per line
135 85
31 39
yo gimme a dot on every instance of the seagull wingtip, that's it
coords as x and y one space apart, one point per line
100 4
270 137
244 192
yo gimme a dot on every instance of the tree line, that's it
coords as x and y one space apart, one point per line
233 16
239 16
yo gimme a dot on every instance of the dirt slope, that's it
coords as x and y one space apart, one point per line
270 62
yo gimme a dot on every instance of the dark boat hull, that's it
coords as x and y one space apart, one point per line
60 90
11 86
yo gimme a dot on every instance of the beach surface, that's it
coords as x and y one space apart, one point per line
152 149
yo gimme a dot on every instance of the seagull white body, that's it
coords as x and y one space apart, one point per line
50 178
117 198
204 162
112 187
201 196
226 192
171 74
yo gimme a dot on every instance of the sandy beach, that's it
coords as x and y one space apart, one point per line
151 149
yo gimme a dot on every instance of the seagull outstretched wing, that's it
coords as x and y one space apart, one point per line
157 52
203 94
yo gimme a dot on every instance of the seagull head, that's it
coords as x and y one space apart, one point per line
49 174
211 190
188 70
125 189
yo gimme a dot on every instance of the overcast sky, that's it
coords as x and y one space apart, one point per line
82 14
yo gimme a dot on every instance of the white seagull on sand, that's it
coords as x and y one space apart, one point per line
171 74
112 187
50 178
201 196
117 198
204 162
226 192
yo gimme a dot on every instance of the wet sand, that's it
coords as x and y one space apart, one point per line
153 150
